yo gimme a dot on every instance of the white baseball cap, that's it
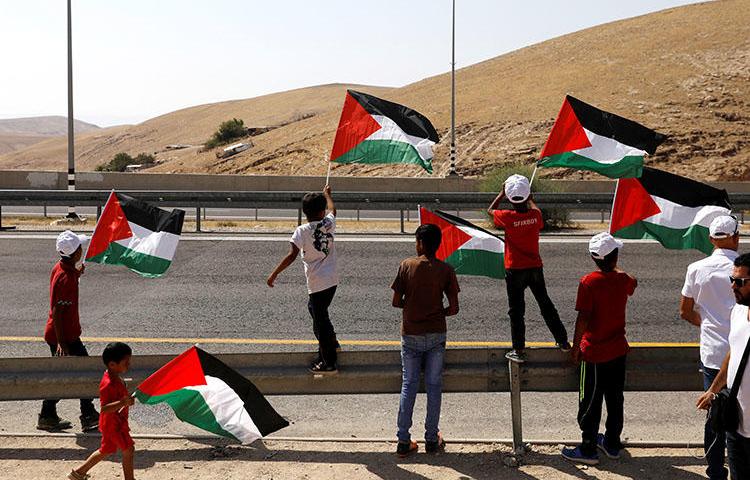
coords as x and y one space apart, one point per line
724 226
68 242
602 244
517 188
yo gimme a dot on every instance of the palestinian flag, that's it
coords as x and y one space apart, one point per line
135 234
206 393
469 249
372 130
671 209
586 138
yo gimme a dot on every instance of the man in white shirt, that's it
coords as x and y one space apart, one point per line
315 240
738 442
707 302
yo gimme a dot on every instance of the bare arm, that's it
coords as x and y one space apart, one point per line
118 405
452 304
496 202
398 300
329 199
687 311
57 324
704 401
285 262
582 323
532 203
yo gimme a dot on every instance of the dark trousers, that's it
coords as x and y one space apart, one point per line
601 381
516 281
715 456
322 327
738 451
49 407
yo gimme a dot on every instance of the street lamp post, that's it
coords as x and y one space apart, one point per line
71 133
452 171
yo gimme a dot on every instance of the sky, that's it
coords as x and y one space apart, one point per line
137 59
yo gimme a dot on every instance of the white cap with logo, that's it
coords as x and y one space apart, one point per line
724 226
602 244
517 188
68 242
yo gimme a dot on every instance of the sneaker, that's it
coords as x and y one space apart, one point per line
565 346
321 368
576 455
51 424
73 475
516 356
404 449
436 446
90 421
601 444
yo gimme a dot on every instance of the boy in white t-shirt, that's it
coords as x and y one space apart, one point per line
315 240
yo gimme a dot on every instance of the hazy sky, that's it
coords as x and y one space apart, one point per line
136 59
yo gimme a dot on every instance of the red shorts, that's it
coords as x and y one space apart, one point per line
116 440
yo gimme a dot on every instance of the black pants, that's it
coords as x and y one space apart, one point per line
601 381
49 407
322 327
516 281
738 451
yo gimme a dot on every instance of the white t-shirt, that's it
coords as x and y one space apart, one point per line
707 283
738 338
315 241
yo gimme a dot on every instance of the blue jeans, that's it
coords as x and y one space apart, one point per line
738 450
418 351
715 457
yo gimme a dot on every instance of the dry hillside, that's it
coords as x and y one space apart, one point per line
684 72
19 133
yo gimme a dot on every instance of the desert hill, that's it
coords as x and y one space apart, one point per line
19 133
684 72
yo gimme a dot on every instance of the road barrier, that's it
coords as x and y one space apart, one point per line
649 369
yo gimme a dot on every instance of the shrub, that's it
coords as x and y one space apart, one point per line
144 159
117 164
555 218
227 132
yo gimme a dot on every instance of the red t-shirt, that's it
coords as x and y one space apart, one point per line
521 237
604 296
63 291
113 390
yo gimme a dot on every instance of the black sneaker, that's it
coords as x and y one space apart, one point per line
323 369
52 424
405 449
516 356
90 422
565 346
436 446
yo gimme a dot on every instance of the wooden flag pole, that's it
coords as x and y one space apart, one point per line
328 175
612 210
533 175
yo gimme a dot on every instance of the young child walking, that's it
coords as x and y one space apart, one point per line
523 265
315 240
601 347
419 288
113 422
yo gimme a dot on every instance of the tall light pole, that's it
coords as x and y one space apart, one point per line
71 133
452 171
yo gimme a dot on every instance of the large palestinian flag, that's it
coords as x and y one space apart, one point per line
206 393
135 234
373 130
586 138
671 209
469 249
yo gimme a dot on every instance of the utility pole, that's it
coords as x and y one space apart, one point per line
452 171
71 133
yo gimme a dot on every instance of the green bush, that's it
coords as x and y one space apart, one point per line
554 218
117 164
227 132
144 159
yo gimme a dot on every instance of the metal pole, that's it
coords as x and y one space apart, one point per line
299 217
98 212
452 170
71 133
515 406
256 214
45 210
402 221
197 219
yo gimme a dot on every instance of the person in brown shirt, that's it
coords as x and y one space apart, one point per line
419 288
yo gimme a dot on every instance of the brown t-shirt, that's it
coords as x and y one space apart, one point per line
423 282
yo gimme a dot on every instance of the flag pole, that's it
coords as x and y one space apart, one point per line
533 175
612 210
328 175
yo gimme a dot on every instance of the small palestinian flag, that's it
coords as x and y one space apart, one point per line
373 130
671 209
135 234
586 138
469 249
206 393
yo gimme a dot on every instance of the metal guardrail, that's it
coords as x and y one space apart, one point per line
367 372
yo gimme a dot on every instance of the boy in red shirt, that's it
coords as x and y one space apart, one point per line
114 400
523 265
601 347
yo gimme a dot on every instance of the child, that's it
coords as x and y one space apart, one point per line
63 330
523 265
315 240
114 400
418 289
600 345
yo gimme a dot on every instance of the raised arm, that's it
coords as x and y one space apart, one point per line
496 202
329 199
285 262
